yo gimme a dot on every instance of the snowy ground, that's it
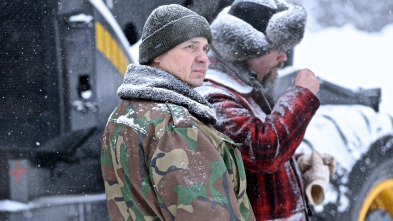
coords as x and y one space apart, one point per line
351 58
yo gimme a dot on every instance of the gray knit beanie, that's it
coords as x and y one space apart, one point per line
168 26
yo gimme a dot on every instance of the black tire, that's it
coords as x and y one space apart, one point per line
374 168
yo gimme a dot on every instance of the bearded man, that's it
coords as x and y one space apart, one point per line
250 41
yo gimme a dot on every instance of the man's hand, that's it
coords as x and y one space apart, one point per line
306 78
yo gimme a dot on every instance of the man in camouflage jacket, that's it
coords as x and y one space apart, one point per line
249 44
161 157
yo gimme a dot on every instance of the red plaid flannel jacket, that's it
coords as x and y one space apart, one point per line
269 140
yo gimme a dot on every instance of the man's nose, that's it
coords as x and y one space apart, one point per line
202 57
282 56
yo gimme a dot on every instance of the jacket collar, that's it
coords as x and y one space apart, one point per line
234 75
149 83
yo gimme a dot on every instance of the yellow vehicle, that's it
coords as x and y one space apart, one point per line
349 127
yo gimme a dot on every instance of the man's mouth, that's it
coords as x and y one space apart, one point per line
275 68
199 70
279 65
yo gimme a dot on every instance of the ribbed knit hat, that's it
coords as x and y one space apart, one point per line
168 26
252 28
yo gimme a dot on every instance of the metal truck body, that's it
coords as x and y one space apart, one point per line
61 64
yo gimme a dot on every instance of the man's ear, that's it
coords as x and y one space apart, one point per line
157 59
155 62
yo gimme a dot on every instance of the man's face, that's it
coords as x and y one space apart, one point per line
188 61
266 66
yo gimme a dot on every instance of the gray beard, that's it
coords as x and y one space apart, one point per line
269 82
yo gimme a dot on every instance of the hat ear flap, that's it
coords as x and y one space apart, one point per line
286 29
236 40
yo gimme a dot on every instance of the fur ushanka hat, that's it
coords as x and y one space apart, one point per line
252 28
168 26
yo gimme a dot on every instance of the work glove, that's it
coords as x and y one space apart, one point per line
316 169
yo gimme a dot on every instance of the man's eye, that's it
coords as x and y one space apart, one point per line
190 46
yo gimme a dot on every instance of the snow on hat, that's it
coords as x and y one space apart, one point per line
252 28
168 26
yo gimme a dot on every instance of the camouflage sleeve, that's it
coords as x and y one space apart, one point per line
190 178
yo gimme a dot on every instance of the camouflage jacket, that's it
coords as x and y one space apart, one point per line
162 160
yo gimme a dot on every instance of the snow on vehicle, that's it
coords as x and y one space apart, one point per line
61 64
349 127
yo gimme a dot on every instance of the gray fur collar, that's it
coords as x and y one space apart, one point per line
236 40
149 83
